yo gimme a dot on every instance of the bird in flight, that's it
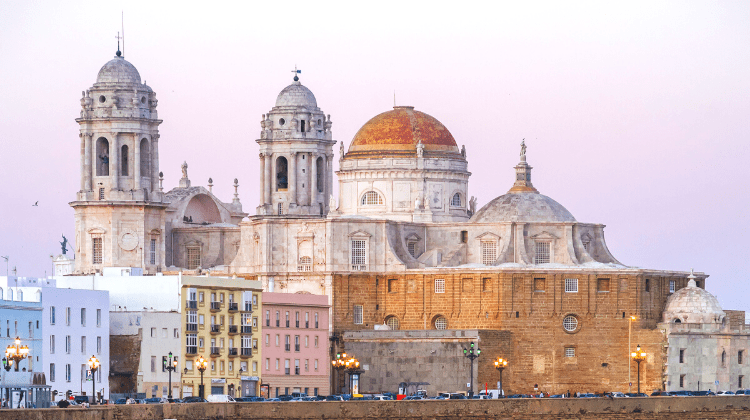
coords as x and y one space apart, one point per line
35 204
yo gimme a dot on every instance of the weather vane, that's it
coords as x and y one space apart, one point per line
295 71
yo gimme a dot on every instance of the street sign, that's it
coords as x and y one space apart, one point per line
717 383
89 377
630 384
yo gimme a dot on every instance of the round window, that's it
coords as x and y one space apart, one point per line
102 99
441 323
570 323
392 322
282 121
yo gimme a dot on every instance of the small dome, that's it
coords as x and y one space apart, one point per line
118 70
296 95
522 207
693 305
398 132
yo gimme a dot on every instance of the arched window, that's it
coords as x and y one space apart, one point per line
440 323
392 322
102 157
724 359
282 178
320 174
145 158
372 198
677 321
124 160
456 200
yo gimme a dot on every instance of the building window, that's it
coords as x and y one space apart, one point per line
464 236
286 369
153 332
648 285
358 314
372 198
682 381
682 355
296 319
392 285
456 200
316 341
296 366
740 355
305 264
98 317
542 255
153 251
316 320
539 285
67 316
52 344
280 209
441 323
570 352
98 345
96 252
359 254
724 359
571 285
307 365
411 246
83 317
52 372
52 315
287 319
67 344
315 366
570 323
486 284
671 286
153 363
101 193
193 257
489 252
277 340
67 373
602 285
307 319
268 318
740 381
439 285
392 323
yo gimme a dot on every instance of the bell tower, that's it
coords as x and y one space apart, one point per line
119 209
296 155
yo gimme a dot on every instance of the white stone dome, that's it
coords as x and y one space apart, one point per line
118 70
522 207
693 305
296 95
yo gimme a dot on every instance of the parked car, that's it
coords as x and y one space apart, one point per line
618 395
121 401
558 396
438 397
635 394
681 393
702 393
742 392
273 400
661 394
174 400
220 398
79 399
588 395
725 393
156 400
194 399
413 397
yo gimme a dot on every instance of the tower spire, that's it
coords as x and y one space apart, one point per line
523 174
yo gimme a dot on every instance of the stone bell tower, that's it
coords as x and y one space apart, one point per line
119 208
296 155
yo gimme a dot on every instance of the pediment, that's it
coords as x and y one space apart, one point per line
96 231
360 234
412 237
155 232
586 237
544 236
193 242
488 236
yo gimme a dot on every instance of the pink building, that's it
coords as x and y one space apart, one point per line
295 344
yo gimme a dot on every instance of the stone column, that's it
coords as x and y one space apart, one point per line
83 160
154 162
94 160
292 178
88 162
329 181
269 179
262 190
313 180
136 163
114 162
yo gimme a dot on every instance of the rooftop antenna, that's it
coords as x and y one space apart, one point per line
6 264
122 21
296 72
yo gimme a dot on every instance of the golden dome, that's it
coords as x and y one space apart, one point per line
397 133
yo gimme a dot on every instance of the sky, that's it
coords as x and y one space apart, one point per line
635 114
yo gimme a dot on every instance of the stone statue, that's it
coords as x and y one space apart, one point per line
184 167
104 158
420 149
417 203
64 244
473 205
331 203
341 150
426 203
523 149
463 150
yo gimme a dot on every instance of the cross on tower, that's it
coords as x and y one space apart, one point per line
118 43
295 71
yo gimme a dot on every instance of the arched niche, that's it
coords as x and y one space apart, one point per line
202 208
282 175
124 159
102 157
145 157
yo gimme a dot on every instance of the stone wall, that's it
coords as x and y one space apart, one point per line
704 408
124 356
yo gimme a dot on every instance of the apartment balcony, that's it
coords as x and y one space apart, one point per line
296 347
296 370
287 347
215 306
215 329
191 327
233 307
246 352
215 351
233 329
232 352
191 350
247 329
192 304
248 307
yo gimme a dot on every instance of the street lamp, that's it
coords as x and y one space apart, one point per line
171 366
352 368
472 353
501 364
202 365
94 366
15 353
338 364
630 327
638 356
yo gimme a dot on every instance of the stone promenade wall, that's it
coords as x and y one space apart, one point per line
705 408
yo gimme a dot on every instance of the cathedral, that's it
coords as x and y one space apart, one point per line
403 253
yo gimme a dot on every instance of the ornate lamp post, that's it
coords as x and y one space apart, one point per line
472 353
638 356
202 365
14 354
352 368
94 366
338 364
501 364
171 366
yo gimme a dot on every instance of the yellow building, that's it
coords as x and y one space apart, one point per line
220 324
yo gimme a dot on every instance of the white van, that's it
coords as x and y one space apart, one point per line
489 394
219 398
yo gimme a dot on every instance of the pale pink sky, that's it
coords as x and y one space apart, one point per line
636 114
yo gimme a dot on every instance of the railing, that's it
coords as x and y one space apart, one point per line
248 307
247 329
287 323
191 327
215 328
191 350
357 267
304 267
232 329
215 350
286 371
192 304
296 324
296 347
247 352
215 306
287 347
296 370
316 324
233 351
277 322
307 324
233 306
